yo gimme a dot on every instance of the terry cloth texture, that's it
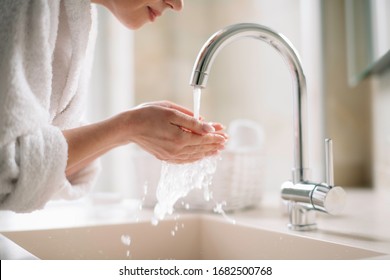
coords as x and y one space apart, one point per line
46 49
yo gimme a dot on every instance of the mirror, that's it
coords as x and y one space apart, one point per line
368 37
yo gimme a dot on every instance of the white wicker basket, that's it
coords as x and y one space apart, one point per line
237 183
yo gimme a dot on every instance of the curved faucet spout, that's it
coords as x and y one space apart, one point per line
231 33
302 195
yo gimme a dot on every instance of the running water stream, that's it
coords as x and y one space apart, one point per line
197 96
177 180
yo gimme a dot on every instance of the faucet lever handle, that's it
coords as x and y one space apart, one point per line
329 162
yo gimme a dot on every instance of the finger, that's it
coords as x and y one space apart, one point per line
223 134
197 126
191 139
189 123
217 126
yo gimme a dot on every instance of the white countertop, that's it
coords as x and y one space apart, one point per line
364 223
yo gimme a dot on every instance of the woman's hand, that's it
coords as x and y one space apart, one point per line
171 133
164 129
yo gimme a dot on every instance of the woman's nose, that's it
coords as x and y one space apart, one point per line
176 5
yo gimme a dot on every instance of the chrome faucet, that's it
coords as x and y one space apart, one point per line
301 195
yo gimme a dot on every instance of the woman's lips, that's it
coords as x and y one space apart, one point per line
153 14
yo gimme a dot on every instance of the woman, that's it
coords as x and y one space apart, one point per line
46 149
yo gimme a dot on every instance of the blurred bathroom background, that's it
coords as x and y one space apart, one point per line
250 80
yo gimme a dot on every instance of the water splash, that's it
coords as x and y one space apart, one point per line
219 209
177 180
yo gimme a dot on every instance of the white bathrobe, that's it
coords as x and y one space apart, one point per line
45 57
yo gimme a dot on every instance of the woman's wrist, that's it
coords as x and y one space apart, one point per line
123 127
86 143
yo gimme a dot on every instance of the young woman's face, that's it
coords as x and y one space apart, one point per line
135 13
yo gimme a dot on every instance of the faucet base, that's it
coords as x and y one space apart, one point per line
302 217
302 227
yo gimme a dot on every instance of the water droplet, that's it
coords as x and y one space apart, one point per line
126 239
154 221
146 187
219 209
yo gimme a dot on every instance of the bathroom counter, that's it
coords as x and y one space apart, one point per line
364 223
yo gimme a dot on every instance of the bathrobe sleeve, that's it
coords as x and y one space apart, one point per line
33 151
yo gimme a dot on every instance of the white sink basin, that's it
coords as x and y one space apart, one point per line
193 237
